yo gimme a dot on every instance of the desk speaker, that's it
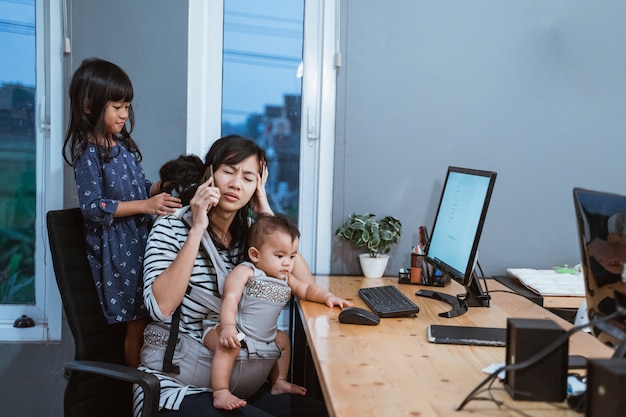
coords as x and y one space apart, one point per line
546 380
606 379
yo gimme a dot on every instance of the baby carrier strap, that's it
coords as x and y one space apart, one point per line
207 245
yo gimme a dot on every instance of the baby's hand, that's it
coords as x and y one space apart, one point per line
162 204
228 337
332 300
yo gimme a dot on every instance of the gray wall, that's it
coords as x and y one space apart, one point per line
533 90
151 46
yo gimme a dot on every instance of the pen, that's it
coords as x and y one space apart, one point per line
423 237
421 250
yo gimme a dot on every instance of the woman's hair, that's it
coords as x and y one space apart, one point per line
184 174
94 84
266 224
232 150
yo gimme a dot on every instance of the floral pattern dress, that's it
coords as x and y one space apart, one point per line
115 246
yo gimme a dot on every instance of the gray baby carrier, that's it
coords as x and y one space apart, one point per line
186 360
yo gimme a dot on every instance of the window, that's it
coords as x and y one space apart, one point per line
233 47
261 88
30 166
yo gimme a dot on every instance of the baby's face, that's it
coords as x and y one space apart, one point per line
277 255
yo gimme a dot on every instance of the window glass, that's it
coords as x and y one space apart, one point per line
17 152
262 88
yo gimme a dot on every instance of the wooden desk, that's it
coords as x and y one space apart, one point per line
392 370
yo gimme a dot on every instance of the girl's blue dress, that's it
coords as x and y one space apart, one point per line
115 246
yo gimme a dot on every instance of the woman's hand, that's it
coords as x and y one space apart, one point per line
206 197
259 202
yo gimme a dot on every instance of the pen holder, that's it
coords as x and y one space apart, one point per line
421 273
419 269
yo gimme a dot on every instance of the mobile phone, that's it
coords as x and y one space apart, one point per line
208 173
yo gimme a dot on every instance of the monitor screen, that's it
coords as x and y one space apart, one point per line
459 222
601 221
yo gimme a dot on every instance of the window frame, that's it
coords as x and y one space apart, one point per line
317 136
47 311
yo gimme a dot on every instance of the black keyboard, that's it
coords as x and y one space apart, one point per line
388 301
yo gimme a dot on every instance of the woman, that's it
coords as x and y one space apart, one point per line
179 266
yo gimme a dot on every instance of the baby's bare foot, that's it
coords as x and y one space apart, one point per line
282 386
225 400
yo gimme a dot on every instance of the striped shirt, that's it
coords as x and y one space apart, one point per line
166 239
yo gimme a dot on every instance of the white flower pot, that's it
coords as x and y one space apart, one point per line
373 267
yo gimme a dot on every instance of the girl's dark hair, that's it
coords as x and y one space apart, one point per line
94 84
181 177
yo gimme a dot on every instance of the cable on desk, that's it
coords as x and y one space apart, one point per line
538 356
514 293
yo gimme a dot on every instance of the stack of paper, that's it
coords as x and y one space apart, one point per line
548 282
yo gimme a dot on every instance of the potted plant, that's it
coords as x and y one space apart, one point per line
377 235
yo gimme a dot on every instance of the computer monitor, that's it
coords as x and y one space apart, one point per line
601 221
453 245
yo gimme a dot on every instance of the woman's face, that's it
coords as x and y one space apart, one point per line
237 183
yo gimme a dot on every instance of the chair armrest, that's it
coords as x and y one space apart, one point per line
148 382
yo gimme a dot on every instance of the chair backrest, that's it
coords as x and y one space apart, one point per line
602 236
94 339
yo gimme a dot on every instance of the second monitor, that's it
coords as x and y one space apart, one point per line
453 246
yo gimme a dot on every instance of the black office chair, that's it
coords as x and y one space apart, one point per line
99 384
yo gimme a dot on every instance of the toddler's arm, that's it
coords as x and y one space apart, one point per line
233 288
313 292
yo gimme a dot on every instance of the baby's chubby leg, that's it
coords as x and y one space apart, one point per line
221 368
278 375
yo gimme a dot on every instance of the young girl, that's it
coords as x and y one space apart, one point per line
114 195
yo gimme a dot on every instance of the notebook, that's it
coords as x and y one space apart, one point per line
467 335
549 282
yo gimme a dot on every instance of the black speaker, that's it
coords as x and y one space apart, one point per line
606 379
547 379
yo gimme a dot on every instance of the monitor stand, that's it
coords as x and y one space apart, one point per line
474 297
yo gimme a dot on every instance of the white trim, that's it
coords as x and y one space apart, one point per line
204 74
54 166
317 150
47 312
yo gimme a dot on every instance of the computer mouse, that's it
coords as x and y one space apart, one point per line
357 315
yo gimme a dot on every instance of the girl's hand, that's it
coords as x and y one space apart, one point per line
162 204
259 202
206 197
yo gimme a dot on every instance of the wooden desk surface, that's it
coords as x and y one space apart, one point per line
392 370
